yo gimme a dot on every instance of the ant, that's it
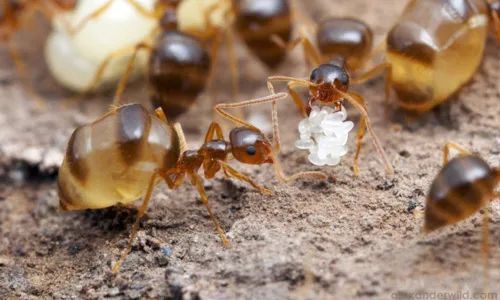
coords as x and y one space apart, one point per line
464 185
140 148
427 60
328 85
183 74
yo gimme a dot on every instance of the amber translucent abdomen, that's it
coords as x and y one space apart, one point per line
179 68
434 49
111 160
257 21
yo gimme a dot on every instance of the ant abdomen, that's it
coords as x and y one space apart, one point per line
257 21
433 56
346 38
464 185
178 71
111 160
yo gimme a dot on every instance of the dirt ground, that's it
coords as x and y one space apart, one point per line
345 238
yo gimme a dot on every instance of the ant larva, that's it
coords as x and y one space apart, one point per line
71 52
463 186
328 87
139 148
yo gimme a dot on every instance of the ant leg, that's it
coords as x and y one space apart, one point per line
198 182
359 143
311 54
383 68
182 137
214 56
359 136
451 145
221 108
356 101
485 247
274 107
135 227
174 178
214 131
242 177
278 169
233 63
123 81
177 128
297 99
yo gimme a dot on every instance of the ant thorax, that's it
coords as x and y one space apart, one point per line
325 133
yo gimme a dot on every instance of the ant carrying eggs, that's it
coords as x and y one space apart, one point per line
324 133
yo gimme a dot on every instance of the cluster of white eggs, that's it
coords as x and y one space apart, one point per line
74 59
324 133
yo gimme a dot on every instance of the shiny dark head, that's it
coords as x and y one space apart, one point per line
331 74
250 146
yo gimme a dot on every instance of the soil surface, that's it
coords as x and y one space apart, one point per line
348 237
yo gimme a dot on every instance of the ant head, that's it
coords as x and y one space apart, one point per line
249 146
333 74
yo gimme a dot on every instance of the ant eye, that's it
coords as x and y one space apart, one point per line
314 75
251 150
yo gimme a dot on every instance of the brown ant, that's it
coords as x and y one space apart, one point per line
427 60
328 85
464 185
139 148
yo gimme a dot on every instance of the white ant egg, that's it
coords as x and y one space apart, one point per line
73 71
120 26
324 133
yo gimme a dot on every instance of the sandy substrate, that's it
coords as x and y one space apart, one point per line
345 238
